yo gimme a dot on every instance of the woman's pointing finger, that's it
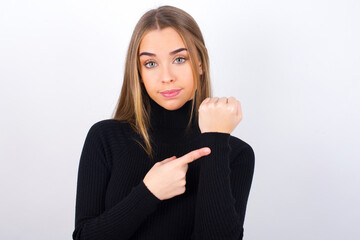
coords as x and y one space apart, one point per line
195 154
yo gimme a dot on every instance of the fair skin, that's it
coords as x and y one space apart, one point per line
165 65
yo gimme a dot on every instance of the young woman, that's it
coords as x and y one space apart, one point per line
165 166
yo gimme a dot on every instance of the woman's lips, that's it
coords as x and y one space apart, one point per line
171 93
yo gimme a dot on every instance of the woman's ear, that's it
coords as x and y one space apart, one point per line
200 69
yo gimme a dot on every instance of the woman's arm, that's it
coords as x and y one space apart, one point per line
222 192
91 219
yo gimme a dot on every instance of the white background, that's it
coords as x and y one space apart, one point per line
294 66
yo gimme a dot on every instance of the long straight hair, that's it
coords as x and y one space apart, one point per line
133 105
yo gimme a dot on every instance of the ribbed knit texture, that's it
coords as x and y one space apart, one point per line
112 201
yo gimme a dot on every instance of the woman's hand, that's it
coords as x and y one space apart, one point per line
167 178
219 114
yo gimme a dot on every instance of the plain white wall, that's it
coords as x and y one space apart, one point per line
294 66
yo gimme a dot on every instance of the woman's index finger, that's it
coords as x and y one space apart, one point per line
195 154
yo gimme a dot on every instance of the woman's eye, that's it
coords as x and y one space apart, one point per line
150 64
179 60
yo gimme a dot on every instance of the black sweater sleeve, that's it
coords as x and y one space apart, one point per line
92 221
223 190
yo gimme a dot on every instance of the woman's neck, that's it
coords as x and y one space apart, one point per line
170 126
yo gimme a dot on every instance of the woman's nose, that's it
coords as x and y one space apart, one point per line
166 74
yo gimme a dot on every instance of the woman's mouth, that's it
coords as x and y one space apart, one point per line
171 93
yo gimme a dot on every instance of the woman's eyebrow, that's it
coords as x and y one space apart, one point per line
171 53
178 50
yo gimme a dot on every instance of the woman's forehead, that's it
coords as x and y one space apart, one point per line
161 41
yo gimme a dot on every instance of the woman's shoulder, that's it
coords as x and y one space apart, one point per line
109 127
238 143
240 150
108 123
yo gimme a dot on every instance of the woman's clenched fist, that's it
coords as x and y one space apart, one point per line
219 114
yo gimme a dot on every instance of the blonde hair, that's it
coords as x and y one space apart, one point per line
133 105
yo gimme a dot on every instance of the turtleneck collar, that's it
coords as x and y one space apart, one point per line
169 126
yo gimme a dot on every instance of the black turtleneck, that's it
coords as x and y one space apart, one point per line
112 201
166 124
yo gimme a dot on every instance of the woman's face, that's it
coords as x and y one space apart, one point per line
165 65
